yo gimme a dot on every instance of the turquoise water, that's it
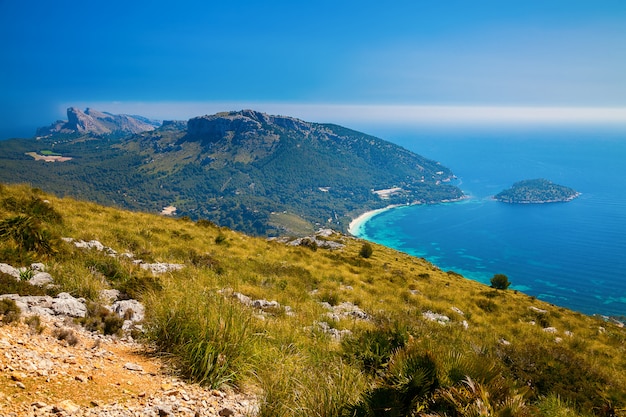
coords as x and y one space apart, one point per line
569 254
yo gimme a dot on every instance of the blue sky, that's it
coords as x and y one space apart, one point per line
347 62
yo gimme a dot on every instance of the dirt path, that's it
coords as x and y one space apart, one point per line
98 376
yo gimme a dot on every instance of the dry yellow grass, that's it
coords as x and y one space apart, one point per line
390 286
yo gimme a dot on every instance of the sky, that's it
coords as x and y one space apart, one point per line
349 62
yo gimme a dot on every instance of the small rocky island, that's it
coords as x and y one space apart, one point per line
536 191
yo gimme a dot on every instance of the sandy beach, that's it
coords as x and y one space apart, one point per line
356 224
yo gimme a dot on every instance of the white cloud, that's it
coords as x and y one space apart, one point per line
382 114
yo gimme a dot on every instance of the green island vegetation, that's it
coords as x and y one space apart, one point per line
536 191
260 174
385 334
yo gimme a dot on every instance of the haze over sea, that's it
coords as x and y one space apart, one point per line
569 254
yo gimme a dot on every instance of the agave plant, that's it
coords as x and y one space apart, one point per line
27 234
473 399
405 389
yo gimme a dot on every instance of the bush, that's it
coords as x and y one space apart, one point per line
309 243
206 223
66 335
100 319
33 207
203 260
137 285
34 323
27 234
556 370
110 267
366 250
406 387
10 285
9 311
373 349
500 282
220 239
486 305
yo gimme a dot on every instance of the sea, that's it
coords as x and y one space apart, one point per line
569 254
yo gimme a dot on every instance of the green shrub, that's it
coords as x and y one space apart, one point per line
43 211
203 260
137 285
500 282
373 349
108 266
486 305
13 255
206 223
330 297
32 207
472 398
66 335
102 320
10 285
34 323
9 311
27 234
366 250
554 406
404 390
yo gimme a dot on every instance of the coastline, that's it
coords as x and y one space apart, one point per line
356 224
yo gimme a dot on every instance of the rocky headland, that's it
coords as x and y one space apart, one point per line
94 122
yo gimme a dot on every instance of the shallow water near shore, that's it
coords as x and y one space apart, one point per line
569 254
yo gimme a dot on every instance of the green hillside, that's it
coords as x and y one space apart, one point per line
237 169
351 333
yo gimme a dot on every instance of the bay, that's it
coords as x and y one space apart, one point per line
569 254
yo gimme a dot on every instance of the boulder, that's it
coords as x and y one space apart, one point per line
133 308
457 310
133 367
265 305
67 305
439 318
8 269
243 299
347 309
160 268
38 266
109 295
41 279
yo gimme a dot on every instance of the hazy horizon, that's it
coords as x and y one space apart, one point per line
412 62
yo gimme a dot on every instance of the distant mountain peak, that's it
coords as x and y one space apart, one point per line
98 123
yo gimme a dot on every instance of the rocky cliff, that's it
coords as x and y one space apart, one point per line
98 123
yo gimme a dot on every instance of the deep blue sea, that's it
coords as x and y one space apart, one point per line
569 254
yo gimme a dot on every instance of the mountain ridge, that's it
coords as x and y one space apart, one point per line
251 171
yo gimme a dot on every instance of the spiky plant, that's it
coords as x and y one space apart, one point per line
27 234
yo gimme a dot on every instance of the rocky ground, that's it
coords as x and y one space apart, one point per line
45 374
